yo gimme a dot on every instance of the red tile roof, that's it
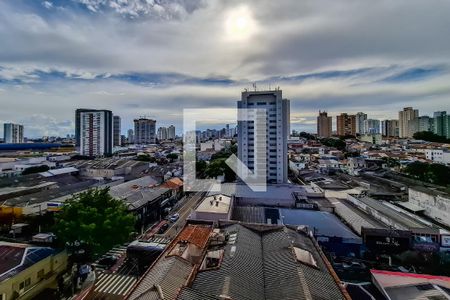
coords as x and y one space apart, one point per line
195 234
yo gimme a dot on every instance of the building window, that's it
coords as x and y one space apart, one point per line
40 274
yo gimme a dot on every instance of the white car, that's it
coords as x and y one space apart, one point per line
173 218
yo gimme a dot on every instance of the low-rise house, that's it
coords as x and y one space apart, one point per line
26 271
438 156
144 198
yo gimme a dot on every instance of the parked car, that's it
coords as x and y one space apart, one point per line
173 218
107 261
163 228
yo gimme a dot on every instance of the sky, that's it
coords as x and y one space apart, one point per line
157 57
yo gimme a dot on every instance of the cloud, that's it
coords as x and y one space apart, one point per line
158 57
47 4
164 9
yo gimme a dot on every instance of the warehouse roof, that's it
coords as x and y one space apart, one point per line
260 262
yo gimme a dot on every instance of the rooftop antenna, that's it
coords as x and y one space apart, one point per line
254 86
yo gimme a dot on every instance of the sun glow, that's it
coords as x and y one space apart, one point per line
240 24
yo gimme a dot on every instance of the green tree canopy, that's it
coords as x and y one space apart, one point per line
335 143
96 218
35 169
146 157
434 173
172 156
430 137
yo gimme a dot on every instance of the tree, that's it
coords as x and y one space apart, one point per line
200 167
335 143
219 167
417 170
172 156
307 136
95 218
146 157
434 173
35 169
430 137
439 174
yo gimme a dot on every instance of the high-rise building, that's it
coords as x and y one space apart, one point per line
171 132
390 128
407 122
425 123
144 131
13 133
116 131
360 118
130 136
77 125
166 133
324 124
277 111
95 132
371 126
346 124
162 133
439 122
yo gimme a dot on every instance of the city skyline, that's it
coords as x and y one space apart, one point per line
163 59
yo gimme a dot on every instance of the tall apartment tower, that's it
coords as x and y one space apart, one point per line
13 133
324 124
439 123
144 131
116 131
277 132
95 132
360 119
425 123
346 124
389 128
77 125
171 132
162 133
371 126
130 136
407 119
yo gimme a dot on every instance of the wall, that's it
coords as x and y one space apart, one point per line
436 207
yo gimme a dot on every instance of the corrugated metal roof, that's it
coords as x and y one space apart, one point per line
168 274
261 264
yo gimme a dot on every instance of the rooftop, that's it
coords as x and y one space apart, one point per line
403 220
105 163
171 271
275 194
411 286
265 262
51 194
15 258
215 204
138 192
173 183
